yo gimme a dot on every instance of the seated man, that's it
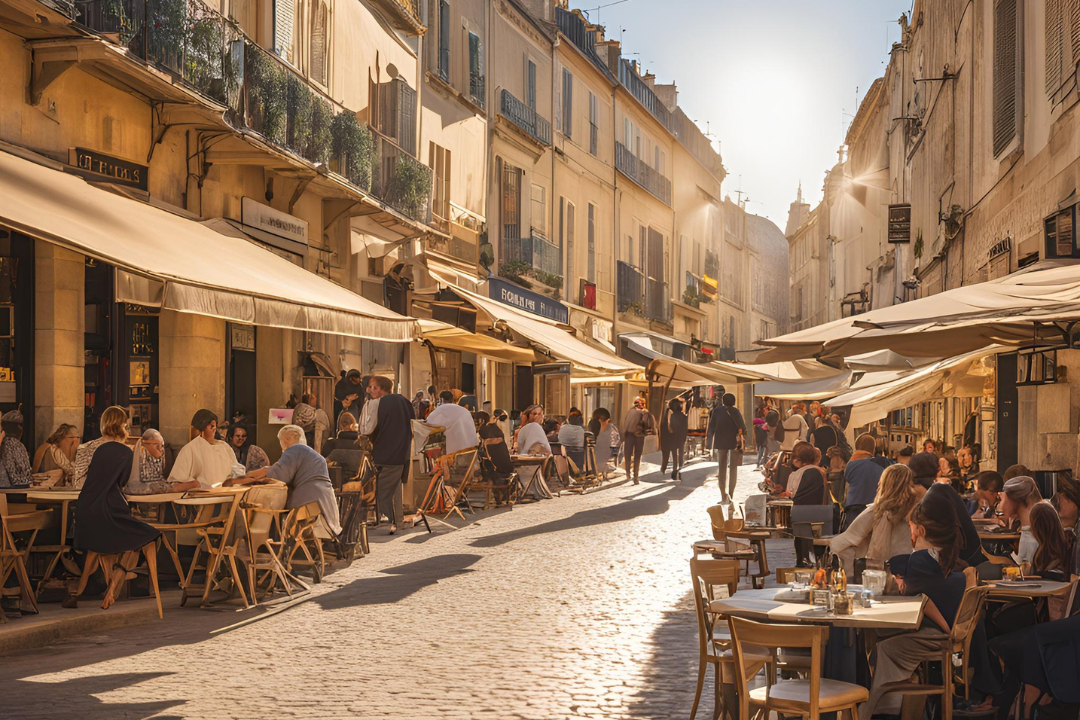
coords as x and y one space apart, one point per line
458 421
495 464
148 466
205 459
572 438
304 471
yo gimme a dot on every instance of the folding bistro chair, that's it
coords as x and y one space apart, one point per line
217 543
299 539
12 557
352 510
261 510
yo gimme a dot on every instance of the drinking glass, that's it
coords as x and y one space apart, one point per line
874 581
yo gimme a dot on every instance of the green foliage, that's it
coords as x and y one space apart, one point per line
691 298
917 250
322 139
353 147
634 307
553 281
267 94
516 271
712 264
409 187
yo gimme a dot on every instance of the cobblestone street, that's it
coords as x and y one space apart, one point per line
576 607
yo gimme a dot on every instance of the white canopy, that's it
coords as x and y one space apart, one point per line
672 371
878 394
179 264
1002 311
447 336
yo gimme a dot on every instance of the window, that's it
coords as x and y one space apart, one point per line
1062 42
539 209
594 124
284 14
590 273
439 161
1007 75
628 134
444 40
567 103
397 113
511 204
530 83
320 21
569 248
476 69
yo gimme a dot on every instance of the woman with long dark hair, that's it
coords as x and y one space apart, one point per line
673 428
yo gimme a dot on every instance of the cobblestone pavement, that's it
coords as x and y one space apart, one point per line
570 608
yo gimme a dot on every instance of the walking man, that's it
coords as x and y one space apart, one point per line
389 424
638 423
725 434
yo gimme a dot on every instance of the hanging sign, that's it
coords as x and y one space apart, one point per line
900 223
527 300
99 166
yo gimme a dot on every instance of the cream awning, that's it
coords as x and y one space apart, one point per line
877 394
672 371
443 335
1002 311
187 266
585 360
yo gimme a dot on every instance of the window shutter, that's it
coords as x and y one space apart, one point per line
476 69
319 44
284 14
568 103
406 129
1006 73
570 245
444 40
1055 35
1073 19
591 260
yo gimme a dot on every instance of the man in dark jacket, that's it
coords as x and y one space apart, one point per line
391 446
725 434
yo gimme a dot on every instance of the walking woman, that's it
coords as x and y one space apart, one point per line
673 429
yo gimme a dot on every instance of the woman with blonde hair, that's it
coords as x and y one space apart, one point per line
1019 495
113 429
881 531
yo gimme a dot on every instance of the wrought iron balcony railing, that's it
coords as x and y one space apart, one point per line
644 95
639 171
535 251
642 296
525 118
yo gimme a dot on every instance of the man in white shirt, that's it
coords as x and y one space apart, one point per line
205 459
795 427
531 438
458 421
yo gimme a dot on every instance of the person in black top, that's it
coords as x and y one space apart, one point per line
925 465
348 394
344 450
823 436
725 434
496 465
673 429
391 445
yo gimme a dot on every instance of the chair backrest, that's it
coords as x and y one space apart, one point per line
803 515
260 505
968 613
707 575
717 518
747 633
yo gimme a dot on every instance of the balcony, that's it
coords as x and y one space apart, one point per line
405 15
536 252
574 27
477 88
525 118
644 95
692 293
637 170
208 54
642 296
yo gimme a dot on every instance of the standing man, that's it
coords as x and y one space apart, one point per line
347 393
638 423
389 424
795 427
725 433
862 475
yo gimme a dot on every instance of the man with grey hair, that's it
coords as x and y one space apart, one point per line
148 468
304 471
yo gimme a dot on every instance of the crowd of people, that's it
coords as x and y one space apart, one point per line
915 515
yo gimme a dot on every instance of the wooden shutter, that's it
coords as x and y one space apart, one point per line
1055 34
1073 19
476 69
530 83
406 119
567 103
655 267
444 40
591 260
569 243
1006 73
284 15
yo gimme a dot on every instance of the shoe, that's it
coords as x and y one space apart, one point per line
674 475
635 481
393 530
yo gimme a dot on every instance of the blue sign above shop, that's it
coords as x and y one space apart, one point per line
527 300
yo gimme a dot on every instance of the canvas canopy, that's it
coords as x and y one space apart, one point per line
176 263
1012 310
672 371
443 335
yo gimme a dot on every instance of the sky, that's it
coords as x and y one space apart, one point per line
774 81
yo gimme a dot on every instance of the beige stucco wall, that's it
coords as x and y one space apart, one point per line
58 338
191 369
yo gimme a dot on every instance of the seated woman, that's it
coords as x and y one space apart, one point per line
572 438
1018 496
881 531
1051 560
931 570
304 471
345 449
112 417
148 468
495 462
247 453
806 487
103 520
58 453
13 454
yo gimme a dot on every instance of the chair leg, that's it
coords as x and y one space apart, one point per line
118 565
718 704
150 553
697 691
190 574
237 583
946 687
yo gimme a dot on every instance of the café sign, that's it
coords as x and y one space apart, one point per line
527 300
99 166
263 217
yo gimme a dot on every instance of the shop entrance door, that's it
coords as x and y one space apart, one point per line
241 404
1008 417
17 329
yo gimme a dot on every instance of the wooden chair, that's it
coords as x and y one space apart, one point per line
217 543
298 538
808 697
115 568
714 641
786 575
12 557
256 550
352 510
957 641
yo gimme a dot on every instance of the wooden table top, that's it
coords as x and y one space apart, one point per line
1027 588
205 500
155 498
903 613
999 536
52 496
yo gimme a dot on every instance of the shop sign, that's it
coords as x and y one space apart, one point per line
242 337
106 167
263 217
1000 248
900 223
527 300
557 368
